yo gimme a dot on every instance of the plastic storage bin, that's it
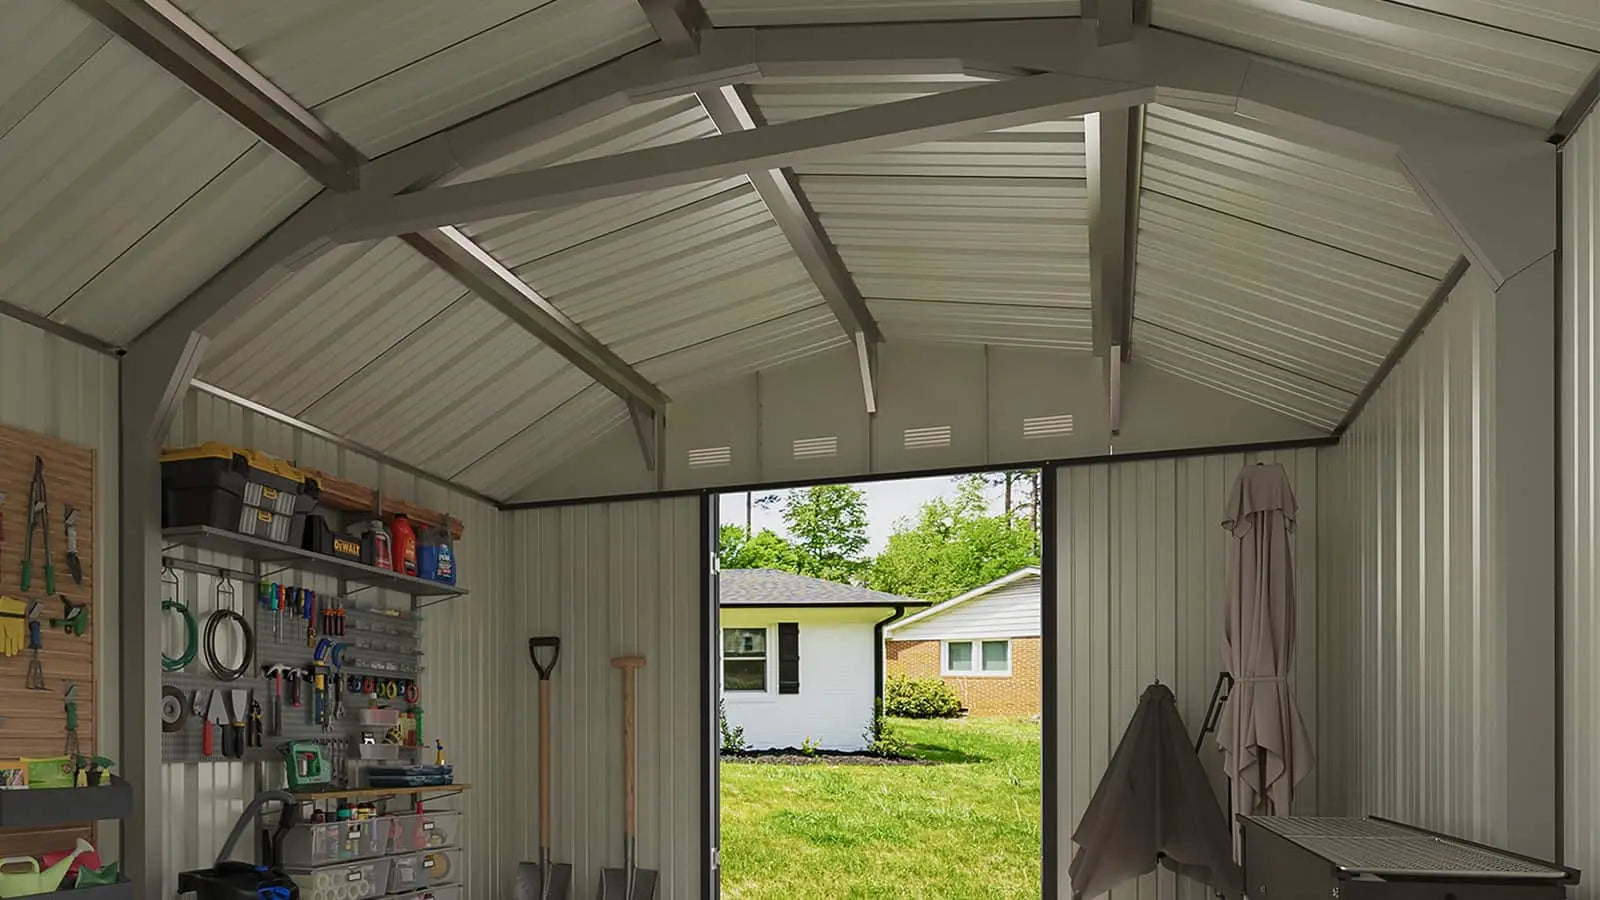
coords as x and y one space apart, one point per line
349 881
424 831
406 873
310 845
441 866
240 490
441 892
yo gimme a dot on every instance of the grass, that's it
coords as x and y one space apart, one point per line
969 827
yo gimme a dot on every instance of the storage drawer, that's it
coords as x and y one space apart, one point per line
353 881
310 845
420 832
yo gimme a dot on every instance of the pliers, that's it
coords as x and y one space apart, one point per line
38 520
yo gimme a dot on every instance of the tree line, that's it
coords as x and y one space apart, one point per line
952 545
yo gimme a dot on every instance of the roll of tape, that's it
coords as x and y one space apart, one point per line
437 865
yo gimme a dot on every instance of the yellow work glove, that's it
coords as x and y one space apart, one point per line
12 625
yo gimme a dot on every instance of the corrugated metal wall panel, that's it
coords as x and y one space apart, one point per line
1003 325
1580 480
610 579
1415 657
1454 60
1139 591
1243 169
85 117
383 74
800 12
462 641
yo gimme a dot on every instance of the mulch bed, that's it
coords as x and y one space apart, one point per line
790 756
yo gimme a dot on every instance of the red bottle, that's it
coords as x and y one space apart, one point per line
404 541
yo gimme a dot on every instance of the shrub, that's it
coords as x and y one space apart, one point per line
881 738
732 735
920 698
809 747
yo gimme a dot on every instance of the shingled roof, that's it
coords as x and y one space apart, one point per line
769 587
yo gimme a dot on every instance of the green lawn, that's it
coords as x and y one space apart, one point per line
968 827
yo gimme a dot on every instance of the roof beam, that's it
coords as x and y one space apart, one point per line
677 23
969 111
1492 180
210 68
1113 143
731 111
1113 20
867 362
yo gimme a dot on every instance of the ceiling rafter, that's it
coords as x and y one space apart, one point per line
182 47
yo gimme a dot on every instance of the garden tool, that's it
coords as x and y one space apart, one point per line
69 700
74 618
35 677
629 882
20 876
217 714
69 518
202 711
38 520
544 880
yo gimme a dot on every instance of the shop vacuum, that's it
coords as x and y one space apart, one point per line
232 880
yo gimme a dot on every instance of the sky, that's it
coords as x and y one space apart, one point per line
887 503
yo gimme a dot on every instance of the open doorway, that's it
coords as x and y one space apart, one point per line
878 679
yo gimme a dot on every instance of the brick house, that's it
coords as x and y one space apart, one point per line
984 643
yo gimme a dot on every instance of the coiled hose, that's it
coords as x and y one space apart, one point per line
191 637
213 662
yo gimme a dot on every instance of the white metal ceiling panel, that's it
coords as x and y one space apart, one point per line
321 325
386 73
1574 22
801 12
1465 63
698 272
100 150
797 335
975 260
1239 376
1237 167
534 450
1315 310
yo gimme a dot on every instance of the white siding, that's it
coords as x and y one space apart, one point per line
1010 611
610 579
1580 521
834 705
1414 651
462 642
1140 558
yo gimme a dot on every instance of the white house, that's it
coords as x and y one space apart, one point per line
800 657
984 643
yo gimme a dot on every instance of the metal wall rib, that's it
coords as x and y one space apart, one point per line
1415 653
800 12
1139 596
1580 523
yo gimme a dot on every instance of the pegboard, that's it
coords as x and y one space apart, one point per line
33 723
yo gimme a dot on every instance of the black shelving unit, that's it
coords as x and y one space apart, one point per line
122 890
54 807
267 552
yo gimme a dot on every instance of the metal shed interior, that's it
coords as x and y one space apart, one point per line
556 266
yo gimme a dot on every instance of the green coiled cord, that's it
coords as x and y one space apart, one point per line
191 638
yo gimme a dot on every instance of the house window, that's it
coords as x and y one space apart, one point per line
977 658
744 659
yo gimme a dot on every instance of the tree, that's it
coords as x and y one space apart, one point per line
736 549
828 524
953 546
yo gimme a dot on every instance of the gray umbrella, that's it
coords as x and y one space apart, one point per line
1266 749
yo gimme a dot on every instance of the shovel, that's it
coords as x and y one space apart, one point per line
629 882
544 880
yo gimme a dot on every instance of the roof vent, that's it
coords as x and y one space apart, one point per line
824 447
710 457
1046 427
927 438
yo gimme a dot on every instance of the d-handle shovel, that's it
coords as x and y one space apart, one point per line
544 880
629 882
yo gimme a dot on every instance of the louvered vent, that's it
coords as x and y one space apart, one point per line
927 438
1046 427
817 447
710 457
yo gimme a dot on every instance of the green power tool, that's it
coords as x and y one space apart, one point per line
305 766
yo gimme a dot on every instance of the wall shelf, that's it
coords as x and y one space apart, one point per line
264 551
374 793
52 807
122 890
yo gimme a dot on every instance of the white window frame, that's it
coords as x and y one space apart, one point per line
977 658
767 661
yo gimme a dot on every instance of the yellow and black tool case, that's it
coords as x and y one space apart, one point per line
238 489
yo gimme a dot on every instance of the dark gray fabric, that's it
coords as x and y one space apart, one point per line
769 587
1154 804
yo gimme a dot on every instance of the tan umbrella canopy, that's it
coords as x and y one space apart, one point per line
1154 804
1266 749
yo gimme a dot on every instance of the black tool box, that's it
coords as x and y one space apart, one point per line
241 490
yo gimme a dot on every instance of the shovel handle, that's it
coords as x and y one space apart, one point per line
548 642
544 762
629 666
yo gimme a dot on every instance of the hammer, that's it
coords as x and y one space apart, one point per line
276 673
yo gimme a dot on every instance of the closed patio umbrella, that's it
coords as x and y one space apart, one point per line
1266 750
